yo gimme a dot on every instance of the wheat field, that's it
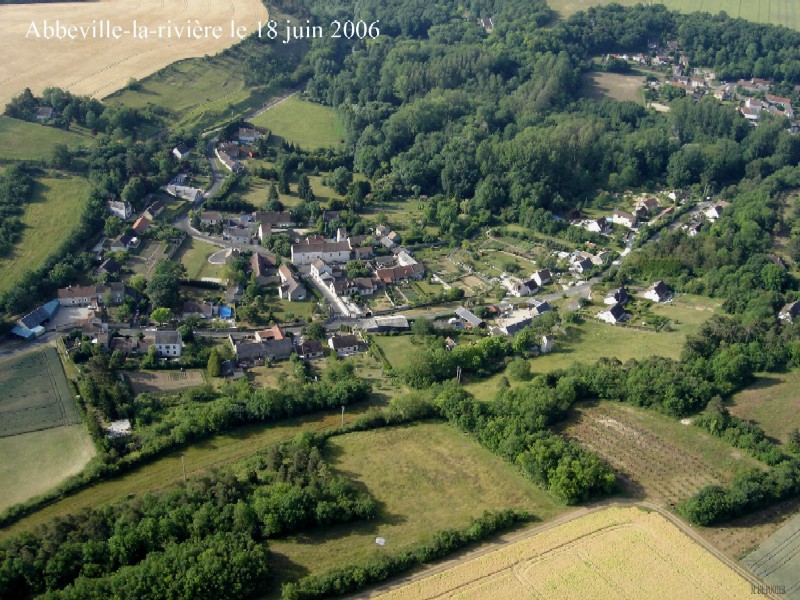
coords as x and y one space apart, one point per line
614 553
97 67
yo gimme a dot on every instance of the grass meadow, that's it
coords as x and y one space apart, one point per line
307 124
771 402
32 141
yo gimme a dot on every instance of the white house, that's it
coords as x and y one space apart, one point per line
181 152
309 250
659 292
248 135
321 270
123 210
169 344
714 213
542 277
343 344
615 314
617 296
78 295
625 219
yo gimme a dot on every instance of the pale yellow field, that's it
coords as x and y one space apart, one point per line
97 67
615 553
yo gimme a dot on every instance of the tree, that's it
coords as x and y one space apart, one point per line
340 179
304 189
422 327
283 183
519 369
60 157
315 331
164 286
214 364
161 315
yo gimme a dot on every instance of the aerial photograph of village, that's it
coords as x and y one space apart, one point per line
481 299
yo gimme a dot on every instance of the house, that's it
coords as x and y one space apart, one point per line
387 242
309 250
514 323
321 270
542 277
470 319
263 269
539 307
625 219
248 135
273 333
230 163
398 273
251 352
615 314
596 225
310 349
789 312
487 23
205 310
181 151
78 295
582 265
210 217
648 204
141 224
692 229
236 234
114 294
32 324
184 192
404 259
123 210
659 292
229 148
381 231
275 219
155 209
168 344
109 266
391 323
290 288
124 345
45 113
519 288
617 296
547 344
713 213
343 344
233 294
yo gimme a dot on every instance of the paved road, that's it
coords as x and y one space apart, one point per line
515 536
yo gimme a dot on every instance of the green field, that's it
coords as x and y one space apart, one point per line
772 403
32 141
194 256
53 213
396 348
305 123
34 394
36 462
777 12
214 452
777 560
425 477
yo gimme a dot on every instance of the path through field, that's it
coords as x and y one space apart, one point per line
98 67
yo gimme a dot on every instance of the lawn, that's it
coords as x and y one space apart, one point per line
396 348
194 256
36 462
53 213
777 12
305 123
425 477
772 403
32 141
216 451
613 85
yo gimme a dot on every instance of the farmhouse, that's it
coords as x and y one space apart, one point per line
309 250
290 289
659 292
123 210
248 135
168 344
78 295
542 277
615 314
343 344
789 312
181 151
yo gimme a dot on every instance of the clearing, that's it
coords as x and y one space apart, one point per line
54 210
305 123
598 86
771 402
164 381
777 560
36 462
32 141
97 67
35 394
777 12
613 553
425 477
655 457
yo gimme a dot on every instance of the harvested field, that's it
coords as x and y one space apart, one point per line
598 86
53 455
777 560
34 395
164 381
97 67
655 457
613 553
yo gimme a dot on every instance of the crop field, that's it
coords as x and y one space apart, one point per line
164 381
771 402
305 123
54 211
613 85
96 66
35 395
613 553
199 457
52 455
655 458
777 560
31 141
425 477
777 12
